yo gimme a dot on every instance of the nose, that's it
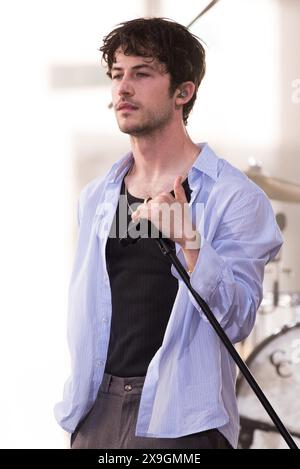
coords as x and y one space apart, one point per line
125 88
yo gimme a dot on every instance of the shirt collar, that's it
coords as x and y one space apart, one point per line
120 167
206 162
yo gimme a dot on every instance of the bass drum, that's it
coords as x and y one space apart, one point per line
275 364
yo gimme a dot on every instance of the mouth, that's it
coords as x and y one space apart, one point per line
127 107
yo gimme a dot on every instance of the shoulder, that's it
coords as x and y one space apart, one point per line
224 179
234 185
241 205
230 193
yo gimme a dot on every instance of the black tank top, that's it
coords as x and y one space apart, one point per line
143 291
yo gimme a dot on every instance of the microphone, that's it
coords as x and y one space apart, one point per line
166 245
127 239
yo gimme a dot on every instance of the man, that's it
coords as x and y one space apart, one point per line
148 370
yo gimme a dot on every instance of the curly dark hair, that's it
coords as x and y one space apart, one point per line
170 43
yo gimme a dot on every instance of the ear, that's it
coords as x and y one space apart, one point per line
184 93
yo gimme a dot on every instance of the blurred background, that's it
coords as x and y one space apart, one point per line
58 133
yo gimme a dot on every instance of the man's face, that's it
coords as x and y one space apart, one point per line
140 94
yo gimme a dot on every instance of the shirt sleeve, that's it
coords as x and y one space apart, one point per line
229 271
87 190
78 213
80 204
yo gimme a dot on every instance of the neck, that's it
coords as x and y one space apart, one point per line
168 151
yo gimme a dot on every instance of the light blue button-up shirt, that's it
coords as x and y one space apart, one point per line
190 381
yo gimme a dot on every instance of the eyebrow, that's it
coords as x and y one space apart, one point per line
135 67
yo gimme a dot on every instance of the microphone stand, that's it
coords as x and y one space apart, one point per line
170 251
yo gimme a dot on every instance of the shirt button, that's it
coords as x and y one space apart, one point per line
128 387
100 363
104 320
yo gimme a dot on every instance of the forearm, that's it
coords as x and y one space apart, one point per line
191 257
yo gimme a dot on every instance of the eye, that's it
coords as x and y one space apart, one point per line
141 74
116 77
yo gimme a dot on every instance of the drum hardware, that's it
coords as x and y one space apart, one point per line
276 363
287 270
277 189
249 426
273 299
281 220
276 265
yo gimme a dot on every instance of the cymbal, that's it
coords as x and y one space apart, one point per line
276 189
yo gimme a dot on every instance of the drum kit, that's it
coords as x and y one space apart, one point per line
274 346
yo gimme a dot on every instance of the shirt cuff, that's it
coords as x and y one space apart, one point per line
207 273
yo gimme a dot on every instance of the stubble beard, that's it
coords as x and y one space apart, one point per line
150 123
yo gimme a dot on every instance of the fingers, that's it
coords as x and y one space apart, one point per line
179 190
142 211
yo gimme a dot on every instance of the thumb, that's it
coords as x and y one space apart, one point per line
179 190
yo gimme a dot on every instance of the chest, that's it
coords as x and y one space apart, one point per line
144 189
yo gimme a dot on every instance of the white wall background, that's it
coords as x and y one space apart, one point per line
54 140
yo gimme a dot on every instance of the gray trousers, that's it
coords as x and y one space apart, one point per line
112 420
